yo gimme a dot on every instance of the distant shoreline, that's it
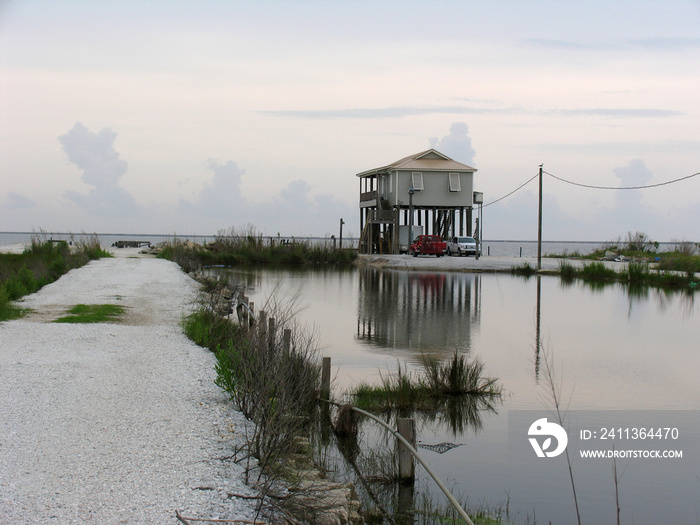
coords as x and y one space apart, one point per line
299 237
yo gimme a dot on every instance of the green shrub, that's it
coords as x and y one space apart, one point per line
7 309
41 263
597 271
57 268
524 269
638 272
567 271
680 263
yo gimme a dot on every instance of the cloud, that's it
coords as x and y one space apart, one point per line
457 145
15 202
388 112
642 44
294 210
412 111
516 216
614 112
630 210
94 153
222 195
635 173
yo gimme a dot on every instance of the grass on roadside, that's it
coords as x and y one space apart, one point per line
93 313
41 263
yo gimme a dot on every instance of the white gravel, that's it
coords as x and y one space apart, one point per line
115 423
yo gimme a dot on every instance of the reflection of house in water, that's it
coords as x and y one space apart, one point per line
433 313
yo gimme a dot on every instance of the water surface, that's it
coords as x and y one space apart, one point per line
609 349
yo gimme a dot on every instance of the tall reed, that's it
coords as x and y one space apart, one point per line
41 263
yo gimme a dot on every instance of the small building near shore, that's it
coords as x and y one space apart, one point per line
427 192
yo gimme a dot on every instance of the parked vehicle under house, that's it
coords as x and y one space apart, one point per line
427 191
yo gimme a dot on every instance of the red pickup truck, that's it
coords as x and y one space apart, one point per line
428 245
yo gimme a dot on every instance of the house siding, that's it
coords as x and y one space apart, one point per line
436 190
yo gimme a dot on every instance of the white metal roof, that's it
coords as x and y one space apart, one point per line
429 160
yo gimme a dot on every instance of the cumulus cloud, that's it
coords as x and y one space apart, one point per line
630 211
222 196
457 145
294 210
15 202
306 214
635 173
102 168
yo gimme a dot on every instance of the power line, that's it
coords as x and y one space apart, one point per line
622 187
592 186
512 192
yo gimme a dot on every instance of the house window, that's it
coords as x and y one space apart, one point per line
455 184
417 180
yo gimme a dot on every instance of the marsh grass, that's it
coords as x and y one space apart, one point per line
458 377
636 274
567 271
401 390
41 263
246 246
428 512
680 262
93 313
429 389
597 271
524 269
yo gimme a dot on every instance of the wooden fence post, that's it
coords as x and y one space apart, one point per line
326 378
271 333
287 340
407 429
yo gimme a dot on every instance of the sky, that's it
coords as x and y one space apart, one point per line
201 117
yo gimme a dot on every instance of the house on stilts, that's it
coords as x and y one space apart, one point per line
426 193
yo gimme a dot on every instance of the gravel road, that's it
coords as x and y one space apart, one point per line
115 423
470 264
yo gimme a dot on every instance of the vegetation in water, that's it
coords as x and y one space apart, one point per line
633 274
41 263
645 265
454 392
524 269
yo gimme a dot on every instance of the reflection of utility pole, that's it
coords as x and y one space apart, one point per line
538 342
539 226
340 241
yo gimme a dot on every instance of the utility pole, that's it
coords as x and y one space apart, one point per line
411 191
539 226
340 242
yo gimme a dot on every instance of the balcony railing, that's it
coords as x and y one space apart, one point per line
368 196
